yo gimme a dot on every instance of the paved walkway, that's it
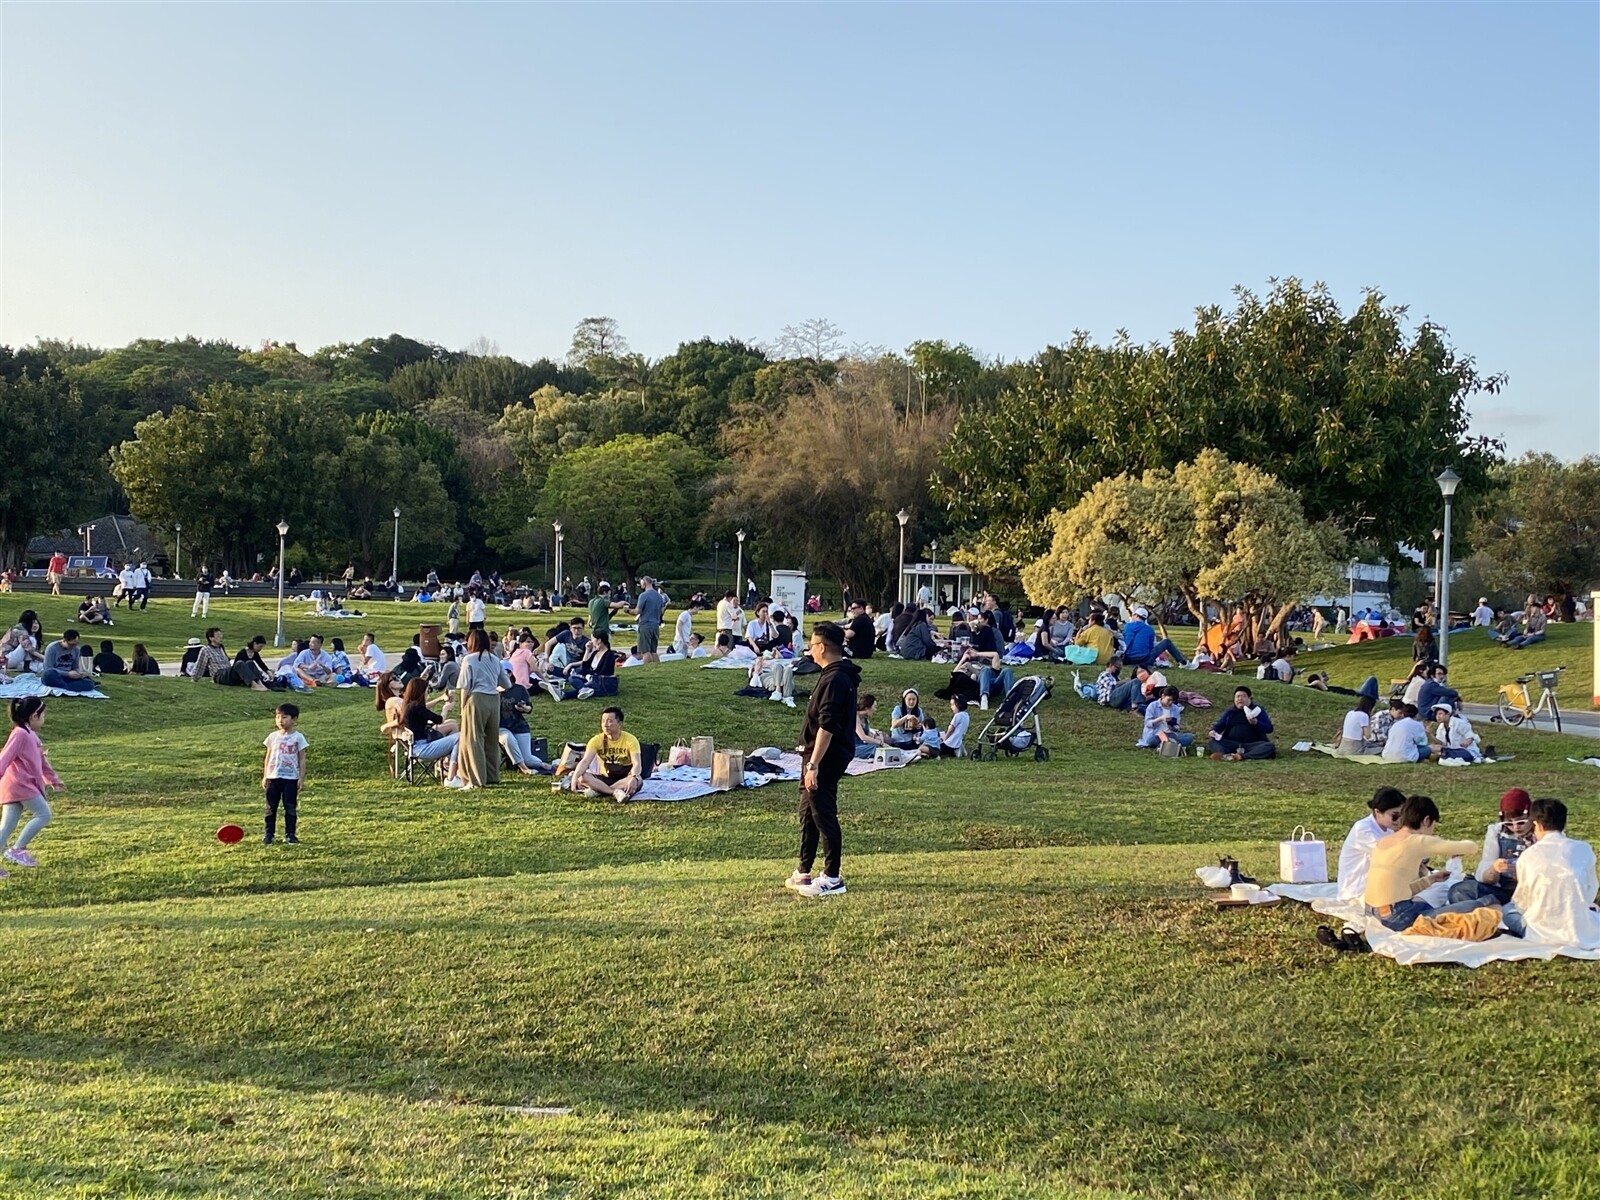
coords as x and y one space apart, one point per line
1580 724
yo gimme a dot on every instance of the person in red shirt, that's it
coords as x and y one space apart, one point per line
56 571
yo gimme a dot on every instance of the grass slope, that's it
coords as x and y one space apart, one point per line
1024 994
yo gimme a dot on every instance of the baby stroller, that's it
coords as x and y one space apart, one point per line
1008 729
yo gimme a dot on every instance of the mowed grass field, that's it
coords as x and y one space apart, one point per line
1025 992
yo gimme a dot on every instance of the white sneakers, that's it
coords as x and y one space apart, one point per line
822 885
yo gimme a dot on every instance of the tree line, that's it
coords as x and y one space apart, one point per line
810 444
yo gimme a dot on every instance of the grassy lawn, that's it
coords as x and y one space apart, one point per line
1024 994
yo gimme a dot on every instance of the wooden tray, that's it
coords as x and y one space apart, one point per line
1226 900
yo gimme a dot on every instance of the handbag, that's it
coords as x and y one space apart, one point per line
1303 858
727 769
1171 748
679 756
701 751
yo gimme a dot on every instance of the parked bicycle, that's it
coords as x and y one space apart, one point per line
1516 705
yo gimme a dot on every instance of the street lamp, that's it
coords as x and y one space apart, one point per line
177 555
560 588
935 550
394 571
88 539
738 571
900 580
283 532
1448 481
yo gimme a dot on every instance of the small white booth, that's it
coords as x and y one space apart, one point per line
958 582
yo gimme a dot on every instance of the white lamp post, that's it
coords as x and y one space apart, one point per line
1448 482
900 580
738 571
283 532
177 555
560 591
935 551
88 539
394 571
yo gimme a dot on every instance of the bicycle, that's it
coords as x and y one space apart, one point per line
1515 706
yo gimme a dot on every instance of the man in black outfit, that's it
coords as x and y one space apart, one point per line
861 633
828 740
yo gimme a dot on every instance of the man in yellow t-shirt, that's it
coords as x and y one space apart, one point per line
1096 636
612 763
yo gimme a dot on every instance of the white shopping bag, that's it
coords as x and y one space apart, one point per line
1303 858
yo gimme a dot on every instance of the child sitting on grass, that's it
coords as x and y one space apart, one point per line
928 742
282 772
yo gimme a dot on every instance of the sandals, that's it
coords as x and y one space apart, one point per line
1349 941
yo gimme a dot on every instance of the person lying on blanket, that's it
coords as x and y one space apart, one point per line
612 763
1394 878
1382 819
1556 884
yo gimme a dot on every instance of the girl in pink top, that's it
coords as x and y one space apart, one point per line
24 774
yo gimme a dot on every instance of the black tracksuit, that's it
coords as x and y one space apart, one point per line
832 707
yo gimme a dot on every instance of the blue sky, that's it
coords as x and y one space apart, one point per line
999 175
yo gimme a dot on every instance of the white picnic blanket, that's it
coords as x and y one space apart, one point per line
1411 950
29 684
726 663
671 784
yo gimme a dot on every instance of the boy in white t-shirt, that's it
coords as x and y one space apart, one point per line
282 773
1408 739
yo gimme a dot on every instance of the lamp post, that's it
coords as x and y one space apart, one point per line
716 564
394 571
177 555
556 525
283 532
1448 481
900 580
738 571
1437 534
935 551
88 539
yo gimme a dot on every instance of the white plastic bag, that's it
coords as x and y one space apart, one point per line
1215 877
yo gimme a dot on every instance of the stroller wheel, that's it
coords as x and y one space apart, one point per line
1040 754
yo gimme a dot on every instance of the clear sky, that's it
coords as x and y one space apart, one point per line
998 175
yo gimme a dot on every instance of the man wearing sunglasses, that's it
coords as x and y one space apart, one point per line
1503 843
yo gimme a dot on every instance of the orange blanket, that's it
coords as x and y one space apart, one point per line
1479 925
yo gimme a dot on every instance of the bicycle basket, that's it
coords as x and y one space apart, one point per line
1547 680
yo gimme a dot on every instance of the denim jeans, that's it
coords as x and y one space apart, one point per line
987 677
1527 639
1164 646
1486 893
1403 914
436 749
60 679
519 749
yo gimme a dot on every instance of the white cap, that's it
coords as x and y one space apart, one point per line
1039 624
1140 610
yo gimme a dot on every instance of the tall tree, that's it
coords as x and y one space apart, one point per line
1542 531
817 338
1353 413
596 337
1224 536
822 478
629 503
51 467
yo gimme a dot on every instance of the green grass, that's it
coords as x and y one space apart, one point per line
1024 994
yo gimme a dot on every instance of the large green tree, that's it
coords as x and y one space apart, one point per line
1353 412
1542 531
50 460
1225 537
631 503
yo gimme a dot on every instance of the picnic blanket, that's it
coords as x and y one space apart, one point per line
673 784
729 664
29 684
1410 949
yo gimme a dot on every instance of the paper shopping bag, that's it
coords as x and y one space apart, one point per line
1303 858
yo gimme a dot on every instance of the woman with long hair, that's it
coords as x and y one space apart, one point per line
478 763
432 737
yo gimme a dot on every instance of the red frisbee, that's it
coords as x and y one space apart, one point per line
230 834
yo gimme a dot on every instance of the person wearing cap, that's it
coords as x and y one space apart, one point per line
1457 738
1556 885
1382 819
1503 843
1483 615
1140 647
860 634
